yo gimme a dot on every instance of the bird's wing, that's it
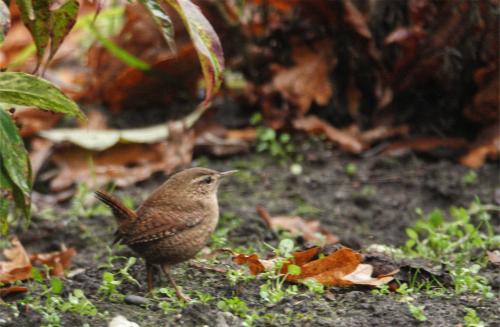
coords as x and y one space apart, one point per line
163 221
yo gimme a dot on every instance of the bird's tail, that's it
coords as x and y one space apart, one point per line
120 211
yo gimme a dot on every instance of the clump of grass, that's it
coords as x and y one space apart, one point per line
50 302
459 243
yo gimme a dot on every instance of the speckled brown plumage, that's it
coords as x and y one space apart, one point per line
174 222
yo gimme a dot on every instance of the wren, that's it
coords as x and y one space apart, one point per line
173 224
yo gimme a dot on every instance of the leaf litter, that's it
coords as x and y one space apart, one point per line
18 265
343 267
310 230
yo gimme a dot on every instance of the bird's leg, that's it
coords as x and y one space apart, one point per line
149 271
178 291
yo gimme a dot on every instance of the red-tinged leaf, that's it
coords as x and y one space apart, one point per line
62 21
47 24
17 266
162 20
205 41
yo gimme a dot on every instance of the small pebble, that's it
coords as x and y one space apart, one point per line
136 300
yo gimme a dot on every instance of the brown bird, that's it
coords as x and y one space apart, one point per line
174 223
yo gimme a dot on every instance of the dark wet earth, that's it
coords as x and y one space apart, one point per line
374 206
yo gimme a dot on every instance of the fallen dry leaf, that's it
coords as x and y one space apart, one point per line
341 268
486 146
12 289
252 261
331 269
383 132
424 144
362 275
57 261
18 265
310 230
307 81
314 125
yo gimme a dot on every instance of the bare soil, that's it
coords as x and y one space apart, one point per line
374 206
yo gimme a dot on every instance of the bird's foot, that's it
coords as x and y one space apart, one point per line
181 295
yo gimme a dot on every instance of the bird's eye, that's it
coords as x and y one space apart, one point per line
208 180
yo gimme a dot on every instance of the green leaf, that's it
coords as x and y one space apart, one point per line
56 285
293 269
162 20
206 43
15 161
36 275
119 52
436 218
27 90
412 234
4 20
48 24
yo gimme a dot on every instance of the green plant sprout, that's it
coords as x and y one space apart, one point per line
50 303
111 281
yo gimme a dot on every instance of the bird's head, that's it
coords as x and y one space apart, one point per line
198 181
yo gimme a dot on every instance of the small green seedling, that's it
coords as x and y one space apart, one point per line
111 281
472 319
172 303
469 178
234 305
314 286
417 312
50 302
278 145
236 276
351 169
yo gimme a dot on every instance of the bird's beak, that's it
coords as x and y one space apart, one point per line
227 173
